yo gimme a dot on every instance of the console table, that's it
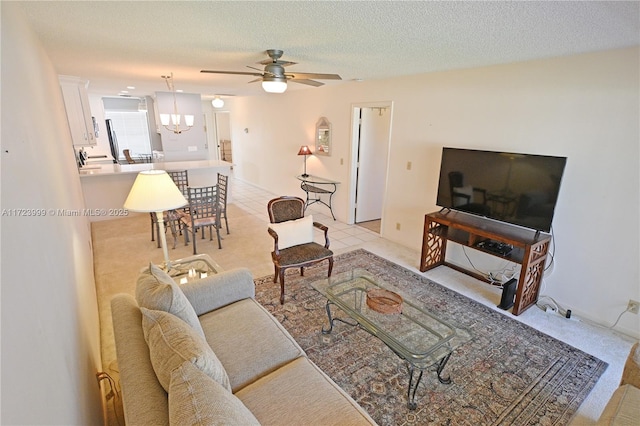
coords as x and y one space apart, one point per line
315 187
529 249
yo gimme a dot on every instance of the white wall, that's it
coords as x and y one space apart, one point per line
585 107
50 326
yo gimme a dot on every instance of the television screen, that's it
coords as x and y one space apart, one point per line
521 189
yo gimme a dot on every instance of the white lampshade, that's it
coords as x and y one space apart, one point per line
274 84
188 120
154 191
164 119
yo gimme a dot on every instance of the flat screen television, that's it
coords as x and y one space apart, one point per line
520 189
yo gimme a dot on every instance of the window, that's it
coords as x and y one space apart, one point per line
132 131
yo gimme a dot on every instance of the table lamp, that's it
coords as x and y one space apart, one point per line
155 192
304 150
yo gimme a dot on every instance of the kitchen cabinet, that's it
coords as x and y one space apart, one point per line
76 103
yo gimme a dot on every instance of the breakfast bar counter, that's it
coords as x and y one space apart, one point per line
106 186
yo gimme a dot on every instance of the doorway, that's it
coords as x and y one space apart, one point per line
219 140
371 132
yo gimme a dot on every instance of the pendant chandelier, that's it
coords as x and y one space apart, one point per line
172 121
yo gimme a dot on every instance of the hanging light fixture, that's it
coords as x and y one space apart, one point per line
171 122
217 102
274 84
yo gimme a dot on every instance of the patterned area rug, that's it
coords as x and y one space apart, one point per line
509 374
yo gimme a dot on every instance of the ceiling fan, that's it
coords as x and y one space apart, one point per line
274 78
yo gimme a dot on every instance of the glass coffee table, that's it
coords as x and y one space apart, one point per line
193 268
416 334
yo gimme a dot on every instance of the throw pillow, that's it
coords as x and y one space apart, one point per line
171 342
196 399
294 232
156 290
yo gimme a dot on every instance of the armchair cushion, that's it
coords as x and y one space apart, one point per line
294 232
172 342
196 399
303 254
156 290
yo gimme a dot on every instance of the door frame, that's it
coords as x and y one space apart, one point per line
353 167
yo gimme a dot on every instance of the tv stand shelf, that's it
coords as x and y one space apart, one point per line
529 249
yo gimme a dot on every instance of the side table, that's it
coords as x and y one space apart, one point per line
193 268
315 187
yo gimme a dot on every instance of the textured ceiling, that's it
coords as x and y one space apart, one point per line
119 44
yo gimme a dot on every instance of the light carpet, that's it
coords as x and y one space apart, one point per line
509 374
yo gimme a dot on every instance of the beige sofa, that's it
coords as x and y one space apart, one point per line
624 406
235 364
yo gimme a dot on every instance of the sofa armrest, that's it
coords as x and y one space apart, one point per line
143 398
631 371
218 290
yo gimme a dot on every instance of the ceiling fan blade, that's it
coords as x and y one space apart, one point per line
258 74
309 75
307 82
254 80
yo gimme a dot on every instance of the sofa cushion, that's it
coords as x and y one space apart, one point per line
294 232
172 341
299 393
196 399
622 409
156 290
264 346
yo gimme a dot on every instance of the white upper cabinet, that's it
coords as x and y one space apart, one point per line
76 103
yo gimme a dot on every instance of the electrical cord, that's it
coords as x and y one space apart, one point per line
494 276
556 306
113 394
551 253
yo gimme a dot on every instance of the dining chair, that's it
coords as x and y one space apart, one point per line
127 156
204 212
293 238
172 217
222 195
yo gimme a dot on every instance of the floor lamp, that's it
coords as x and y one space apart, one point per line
155 192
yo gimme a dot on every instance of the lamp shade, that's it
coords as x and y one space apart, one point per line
304 150
154 191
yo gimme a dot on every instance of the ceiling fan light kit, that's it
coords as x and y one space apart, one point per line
274 78
274 84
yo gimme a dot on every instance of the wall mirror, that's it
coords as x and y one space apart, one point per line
323 137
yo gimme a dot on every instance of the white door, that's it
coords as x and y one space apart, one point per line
372 158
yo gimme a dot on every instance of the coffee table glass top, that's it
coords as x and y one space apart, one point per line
416 334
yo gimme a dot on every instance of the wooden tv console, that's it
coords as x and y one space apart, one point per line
529 248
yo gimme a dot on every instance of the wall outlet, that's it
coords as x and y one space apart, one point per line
633 306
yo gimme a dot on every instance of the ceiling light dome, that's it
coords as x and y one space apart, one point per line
274 84
217 102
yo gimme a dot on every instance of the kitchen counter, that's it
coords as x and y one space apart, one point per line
106 186
111 169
